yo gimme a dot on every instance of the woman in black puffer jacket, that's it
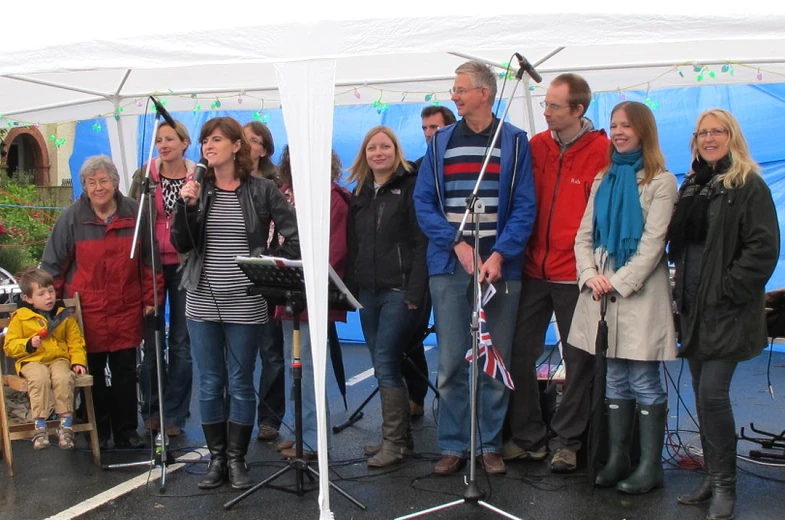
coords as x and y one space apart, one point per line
387 265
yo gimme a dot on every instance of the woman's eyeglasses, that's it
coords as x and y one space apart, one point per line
714 132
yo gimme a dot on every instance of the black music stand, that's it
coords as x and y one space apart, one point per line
281 282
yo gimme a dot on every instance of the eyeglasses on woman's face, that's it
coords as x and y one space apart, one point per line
714 132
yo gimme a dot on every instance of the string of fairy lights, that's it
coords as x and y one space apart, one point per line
382 96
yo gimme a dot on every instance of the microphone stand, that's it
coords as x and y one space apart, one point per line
162 456
475 206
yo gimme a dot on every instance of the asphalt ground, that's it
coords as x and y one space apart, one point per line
59 484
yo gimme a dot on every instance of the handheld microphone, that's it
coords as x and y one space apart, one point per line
201 168
161 110
528 67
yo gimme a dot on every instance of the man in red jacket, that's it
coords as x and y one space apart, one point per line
565 160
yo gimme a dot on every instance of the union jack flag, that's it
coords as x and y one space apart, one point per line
488 355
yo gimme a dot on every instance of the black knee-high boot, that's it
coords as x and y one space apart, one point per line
237 448
215 435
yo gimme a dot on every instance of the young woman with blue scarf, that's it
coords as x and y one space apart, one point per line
620 253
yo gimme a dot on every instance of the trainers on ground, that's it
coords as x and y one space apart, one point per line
40 439
563 461
65 438
266 433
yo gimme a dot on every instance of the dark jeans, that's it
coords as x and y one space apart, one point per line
115 405
539 300
711 384
226 356
384 319
272 386
415 367
177 372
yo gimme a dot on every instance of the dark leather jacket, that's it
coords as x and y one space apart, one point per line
261 202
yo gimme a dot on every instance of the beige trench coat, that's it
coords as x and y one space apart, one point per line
639 316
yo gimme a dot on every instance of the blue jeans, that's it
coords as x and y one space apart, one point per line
226 356
385 321
307 385
177 373
453 314
633 379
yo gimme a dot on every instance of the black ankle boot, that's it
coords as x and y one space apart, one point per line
215 434
237 448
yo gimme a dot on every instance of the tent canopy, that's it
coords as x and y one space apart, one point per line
89 61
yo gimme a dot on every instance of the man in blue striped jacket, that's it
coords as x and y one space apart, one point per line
448 174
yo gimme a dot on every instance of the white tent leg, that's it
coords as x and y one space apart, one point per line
307 93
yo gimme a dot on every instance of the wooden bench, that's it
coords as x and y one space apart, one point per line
13 431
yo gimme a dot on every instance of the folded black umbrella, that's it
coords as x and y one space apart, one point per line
336 356
597 417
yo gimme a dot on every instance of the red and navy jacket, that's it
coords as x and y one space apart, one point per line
86 255
562 183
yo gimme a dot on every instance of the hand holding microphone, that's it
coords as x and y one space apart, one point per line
190 190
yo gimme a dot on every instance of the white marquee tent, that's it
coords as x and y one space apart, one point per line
64 61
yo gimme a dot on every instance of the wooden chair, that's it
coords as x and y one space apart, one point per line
25 430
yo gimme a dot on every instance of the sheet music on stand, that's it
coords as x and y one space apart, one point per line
278 275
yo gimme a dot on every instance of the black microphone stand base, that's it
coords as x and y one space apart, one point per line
302 468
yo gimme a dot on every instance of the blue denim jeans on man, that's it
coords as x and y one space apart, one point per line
177 372
633 379
225 354
452 315
385 322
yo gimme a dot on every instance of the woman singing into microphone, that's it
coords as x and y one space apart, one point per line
228 215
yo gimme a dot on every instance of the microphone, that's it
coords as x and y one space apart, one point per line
201 168
528 67
161 110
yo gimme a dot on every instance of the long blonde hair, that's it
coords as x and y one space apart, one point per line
360 169
644 125
741 163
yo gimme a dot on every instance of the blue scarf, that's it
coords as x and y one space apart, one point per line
618 218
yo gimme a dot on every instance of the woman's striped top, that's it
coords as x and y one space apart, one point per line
221 294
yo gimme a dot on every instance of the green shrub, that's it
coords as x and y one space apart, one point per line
23 231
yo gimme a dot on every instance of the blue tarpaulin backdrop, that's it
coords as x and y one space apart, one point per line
759 108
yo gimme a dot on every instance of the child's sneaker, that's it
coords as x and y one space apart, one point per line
65 438
40 439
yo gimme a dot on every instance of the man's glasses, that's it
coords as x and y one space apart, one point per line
462 91
554 107
714 132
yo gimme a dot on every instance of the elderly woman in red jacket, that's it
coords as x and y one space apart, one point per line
89 252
